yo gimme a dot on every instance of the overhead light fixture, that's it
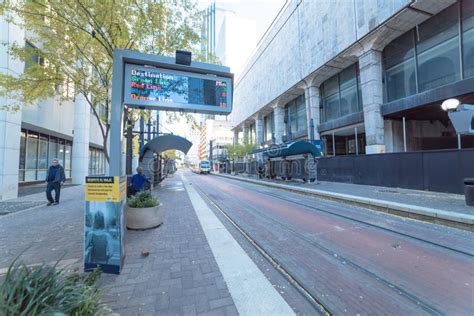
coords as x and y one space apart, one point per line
450 104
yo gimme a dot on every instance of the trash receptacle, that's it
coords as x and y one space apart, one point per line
469 191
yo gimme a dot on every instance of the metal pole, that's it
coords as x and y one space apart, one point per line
459 141
311 132
357 145
149 130
142 132
129 154
157 123
404 135
333 144
115 152
210 154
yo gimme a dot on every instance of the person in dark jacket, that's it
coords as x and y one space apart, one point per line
54 179
138 181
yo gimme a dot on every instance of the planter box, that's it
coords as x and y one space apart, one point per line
144 218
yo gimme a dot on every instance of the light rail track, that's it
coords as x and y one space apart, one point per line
299 285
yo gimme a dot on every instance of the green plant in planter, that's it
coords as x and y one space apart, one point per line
143 199
46 290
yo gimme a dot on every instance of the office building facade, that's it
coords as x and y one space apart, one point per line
34 135
366 78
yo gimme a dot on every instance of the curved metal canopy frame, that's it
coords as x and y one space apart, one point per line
166 142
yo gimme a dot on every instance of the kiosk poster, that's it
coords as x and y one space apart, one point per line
104 223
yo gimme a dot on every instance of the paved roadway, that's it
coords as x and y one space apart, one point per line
351 260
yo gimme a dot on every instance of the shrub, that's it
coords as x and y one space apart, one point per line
143 199
46 290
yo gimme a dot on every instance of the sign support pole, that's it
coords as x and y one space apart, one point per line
116 117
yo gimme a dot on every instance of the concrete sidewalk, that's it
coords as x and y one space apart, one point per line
442 208
33 196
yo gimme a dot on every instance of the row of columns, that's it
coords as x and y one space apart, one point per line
370 69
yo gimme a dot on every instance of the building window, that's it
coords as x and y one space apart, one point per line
96 161
295 115
22 167
438 50
36 152
43 163
428 56
34 57
31 157
468 37
269 126
252 134
340 94
399 60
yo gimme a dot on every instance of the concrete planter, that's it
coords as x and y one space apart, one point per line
144 218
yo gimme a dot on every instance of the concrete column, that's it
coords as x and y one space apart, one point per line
10 122
279 118
370 64
246 132
312 97
80 145
259 130
236 137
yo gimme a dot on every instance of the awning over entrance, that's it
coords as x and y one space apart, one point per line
166 142
292 149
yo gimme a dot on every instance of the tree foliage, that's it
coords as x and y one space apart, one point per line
237 151
170 154
74 41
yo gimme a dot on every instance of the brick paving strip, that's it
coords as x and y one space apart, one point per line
253 294
180 275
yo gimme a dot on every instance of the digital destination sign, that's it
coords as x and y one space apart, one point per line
168 89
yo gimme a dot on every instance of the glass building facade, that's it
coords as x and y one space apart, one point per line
341 94
437 52
36 152
252 134
269 127
96 161
295 115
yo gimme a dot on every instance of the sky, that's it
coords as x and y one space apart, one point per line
262 11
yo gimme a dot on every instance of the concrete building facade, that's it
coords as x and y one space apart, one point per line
366 78
32 136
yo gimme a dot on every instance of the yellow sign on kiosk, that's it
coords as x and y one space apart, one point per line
106 189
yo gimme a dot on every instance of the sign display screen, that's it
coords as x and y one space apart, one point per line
174 90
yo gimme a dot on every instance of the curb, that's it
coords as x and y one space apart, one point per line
452 219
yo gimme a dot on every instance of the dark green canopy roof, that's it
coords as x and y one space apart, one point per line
291 149
166 142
